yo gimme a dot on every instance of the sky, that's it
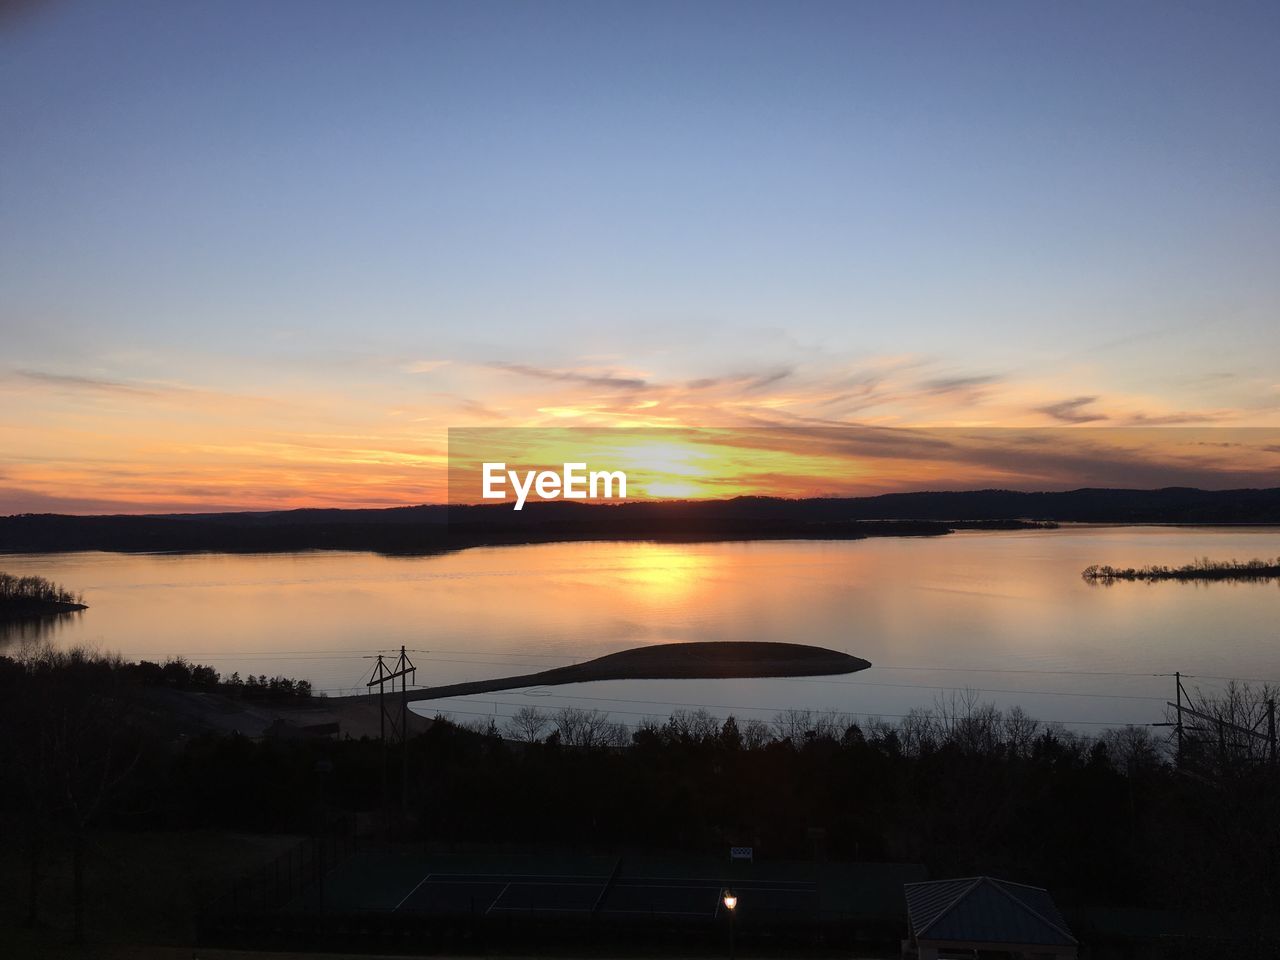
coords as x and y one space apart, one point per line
258 256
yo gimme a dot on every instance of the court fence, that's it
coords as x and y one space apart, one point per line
294 879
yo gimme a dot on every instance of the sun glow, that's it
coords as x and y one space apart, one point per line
659 575
88 445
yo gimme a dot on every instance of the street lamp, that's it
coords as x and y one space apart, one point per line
730 901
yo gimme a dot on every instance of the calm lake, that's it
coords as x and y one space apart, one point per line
1005 614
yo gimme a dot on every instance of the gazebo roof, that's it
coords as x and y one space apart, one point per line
985 910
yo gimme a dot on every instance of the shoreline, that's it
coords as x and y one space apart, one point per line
446 541
708 660
30 609
960 527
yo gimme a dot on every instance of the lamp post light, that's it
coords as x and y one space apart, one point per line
730 901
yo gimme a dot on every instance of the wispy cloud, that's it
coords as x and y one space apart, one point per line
1181 418
606 380
367 436
477 409
946 385
1073 410
151 390
77 382
742 381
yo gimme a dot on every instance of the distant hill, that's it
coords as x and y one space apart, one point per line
429 529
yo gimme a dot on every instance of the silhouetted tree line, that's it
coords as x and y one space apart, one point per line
1202 569
35 588
263 687
962 787
181 675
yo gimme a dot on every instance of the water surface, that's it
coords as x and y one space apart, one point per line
1005 613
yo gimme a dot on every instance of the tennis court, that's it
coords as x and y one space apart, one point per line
535 886
446 893
396 895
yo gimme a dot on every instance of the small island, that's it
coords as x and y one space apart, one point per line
30 597
1203 569
668 661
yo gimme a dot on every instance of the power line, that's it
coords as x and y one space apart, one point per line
926 686
1069 673
922 686
497 658
271 656
352 655
1203 676
286 658
874 716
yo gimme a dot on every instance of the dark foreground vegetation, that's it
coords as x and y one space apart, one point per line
33 596
1111 820
178 674
431 529
1202 569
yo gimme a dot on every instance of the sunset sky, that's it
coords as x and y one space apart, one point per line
259 255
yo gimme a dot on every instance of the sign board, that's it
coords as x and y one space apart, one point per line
742 853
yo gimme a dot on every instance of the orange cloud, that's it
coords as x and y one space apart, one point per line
375 436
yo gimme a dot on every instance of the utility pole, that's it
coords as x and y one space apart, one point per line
1271 731
1244 739
397 721
1177 679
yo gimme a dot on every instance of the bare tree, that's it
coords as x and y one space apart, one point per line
918 732
587 728
756 734
794 725
485 726
967 723
528 724
1230 729
830 724
1132 748
697 726
649 726
1020 731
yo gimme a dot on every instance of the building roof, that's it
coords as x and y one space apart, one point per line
985 910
